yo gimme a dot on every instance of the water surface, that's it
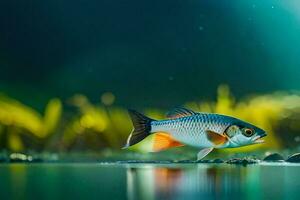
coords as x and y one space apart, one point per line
149 181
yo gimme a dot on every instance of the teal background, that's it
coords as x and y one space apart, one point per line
147 53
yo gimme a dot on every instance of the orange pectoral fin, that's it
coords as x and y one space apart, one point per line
163 141
216 138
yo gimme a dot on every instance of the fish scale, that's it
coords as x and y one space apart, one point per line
191 130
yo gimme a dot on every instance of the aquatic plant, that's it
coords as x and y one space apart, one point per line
266 111
104 125
18 122
109 124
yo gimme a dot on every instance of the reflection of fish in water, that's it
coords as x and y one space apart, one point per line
167 178
161 182
202 130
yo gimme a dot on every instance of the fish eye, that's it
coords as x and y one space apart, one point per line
248 132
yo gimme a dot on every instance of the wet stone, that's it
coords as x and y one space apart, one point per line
19 157
218 160
143 162
184 161
242 161
210 161
203 161
295 158
274 157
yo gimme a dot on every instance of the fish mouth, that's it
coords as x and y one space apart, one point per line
258 139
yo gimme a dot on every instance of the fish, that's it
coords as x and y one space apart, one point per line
205 131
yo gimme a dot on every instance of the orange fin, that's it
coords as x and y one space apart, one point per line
216 138
180 112
163 141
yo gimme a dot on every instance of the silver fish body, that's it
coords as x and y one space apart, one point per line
205 131
191 130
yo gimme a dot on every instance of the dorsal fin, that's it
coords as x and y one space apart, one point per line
163 141
180 112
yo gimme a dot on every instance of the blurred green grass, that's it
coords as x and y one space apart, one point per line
95 127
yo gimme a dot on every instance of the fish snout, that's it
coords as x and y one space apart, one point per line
258 139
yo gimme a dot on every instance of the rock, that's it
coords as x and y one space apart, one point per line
19 157
218 160
295 158
203 161
210 161
242 161
144 162
274 157
184 161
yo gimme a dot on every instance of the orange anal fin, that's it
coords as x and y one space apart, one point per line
216 138
163 141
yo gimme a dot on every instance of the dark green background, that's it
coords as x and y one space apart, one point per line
148 53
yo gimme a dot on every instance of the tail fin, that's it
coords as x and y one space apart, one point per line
142 128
